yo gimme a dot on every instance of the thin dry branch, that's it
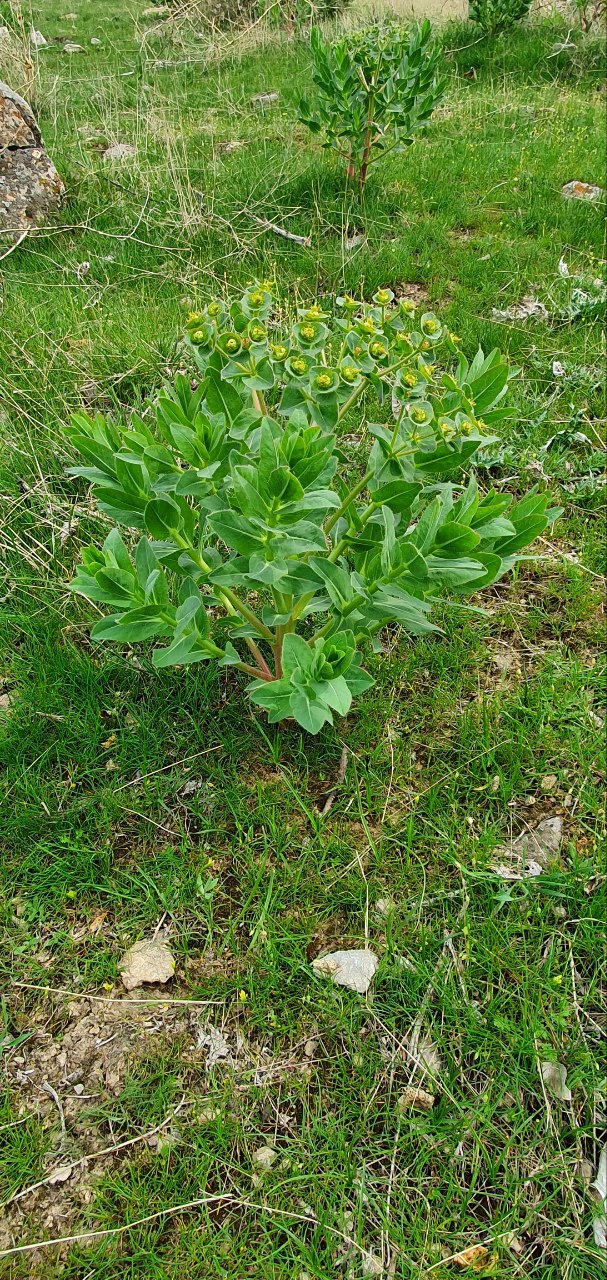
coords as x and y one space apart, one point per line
266 225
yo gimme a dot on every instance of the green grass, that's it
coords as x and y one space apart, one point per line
447 754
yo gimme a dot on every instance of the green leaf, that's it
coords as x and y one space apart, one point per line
296 655
337 694
452 573
358 680
337 580
132 626
236 531
274 696
162 517
145 561
221 396
310 713
454 539
230 656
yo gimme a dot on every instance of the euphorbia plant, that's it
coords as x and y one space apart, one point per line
376 88
263 545
493 16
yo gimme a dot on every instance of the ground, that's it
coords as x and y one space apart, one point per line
139 803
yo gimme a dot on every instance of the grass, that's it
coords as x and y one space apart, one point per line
133 798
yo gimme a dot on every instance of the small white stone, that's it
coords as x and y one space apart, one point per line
264 1158
119 151
147 961
352 969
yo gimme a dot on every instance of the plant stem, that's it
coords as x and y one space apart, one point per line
347 609
349 498
231 602
259 401
259 658
343 542
214 651
347 404
362 177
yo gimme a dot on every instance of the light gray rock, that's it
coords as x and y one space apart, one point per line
582 191
147 961
353 969
30 187
118 152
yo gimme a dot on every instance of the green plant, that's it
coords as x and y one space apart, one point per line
376 88
246 513
497 15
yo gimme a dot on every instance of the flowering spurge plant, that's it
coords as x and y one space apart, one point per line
375 88
493 16
262 546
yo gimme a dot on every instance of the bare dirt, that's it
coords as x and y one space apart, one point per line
77 1060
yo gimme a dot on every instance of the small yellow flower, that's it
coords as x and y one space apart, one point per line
243 997
409 379
377 350
427 370
454 337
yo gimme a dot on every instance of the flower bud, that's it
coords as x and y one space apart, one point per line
297 366
230 343
257 332
279 352
377 350
418 415
325 381
383 297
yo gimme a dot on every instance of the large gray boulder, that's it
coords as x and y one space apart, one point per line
30 187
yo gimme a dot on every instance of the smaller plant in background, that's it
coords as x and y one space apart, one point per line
579 294
497 15
376 88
